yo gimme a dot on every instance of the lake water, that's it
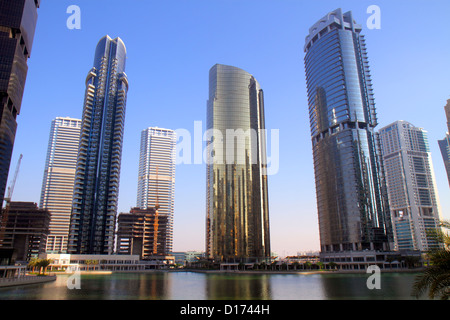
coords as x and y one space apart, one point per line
217 286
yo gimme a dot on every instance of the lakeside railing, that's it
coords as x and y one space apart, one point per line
26 280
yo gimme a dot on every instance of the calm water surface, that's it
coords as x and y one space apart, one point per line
217 286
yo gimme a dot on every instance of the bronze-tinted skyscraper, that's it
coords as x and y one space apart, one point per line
17 26
351 192
96 189
237 200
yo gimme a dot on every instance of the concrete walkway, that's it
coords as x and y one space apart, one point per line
8 282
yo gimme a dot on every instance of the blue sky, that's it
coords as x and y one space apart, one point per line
172 44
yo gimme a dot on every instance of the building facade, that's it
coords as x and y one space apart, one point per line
59 178
156 178
24 228
17 27
143 232
444 144
413 197
351 192
96 190
237 221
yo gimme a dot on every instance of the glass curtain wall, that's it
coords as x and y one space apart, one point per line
237 201
351 194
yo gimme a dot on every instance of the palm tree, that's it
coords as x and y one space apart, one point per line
436 277
33 263
43 264
332 265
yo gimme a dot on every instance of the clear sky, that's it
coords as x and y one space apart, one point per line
172 44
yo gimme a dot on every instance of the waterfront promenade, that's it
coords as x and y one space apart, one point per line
22 280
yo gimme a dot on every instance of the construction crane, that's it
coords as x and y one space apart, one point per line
156 224
4 215
13 182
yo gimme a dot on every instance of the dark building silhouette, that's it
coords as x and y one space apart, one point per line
24 228
17 27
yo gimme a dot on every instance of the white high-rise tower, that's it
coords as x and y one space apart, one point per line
156 179
413 196
58 181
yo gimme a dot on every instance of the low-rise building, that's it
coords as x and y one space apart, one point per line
24 228
100 262
143 232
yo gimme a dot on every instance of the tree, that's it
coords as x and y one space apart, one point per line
43 264
332 265
33 263
436 277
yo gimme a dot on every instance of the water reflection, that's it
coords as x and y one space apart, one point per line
297 287
343 286
238 286
216 286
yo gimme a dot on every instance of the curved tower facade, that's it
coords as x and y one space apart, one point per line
96 189
351 192
237 200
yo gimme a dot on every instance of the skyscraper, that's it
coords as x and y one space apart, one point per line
237 224
413 197
96 189
351 195
17 27
156 179
59 178
444 144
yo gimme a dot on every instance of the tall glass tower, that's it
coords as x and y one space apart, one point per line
96 189
350 188
413 198
17 27
237 200
156 180
59 178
